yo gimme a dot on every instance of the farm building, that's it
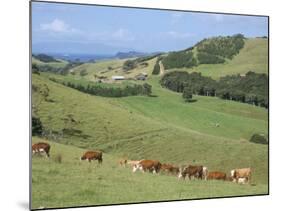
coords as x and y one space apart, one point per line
117 77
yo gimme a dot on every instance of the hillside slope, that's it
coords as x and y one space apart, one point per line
161 127
252 57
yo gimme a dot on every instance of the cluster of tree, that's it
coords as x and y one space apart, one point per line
156 68
198 84
45 58
222 46
37 127
206 58
179 59
251 88
97 89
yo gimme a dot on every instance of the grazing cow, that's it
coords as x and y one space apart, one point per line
92 155
133 162
170 169
195 171
216 175
243 175
123 162
148 165
41 147
241 181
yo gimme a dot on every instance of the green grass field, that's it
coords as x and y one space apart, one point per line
74 183
161 126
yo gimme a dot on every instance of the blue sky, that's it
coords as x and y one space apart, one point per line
68 28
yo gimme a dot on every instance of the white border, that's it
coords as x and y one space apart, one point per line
14 88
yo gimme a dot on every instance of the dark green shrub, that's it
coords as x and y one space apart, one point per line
37 126
259 139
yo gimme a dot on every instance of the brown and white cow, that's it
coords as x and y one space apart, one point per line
191 171
241 175
216 175
148 165
41 147
170 169
133 162
92 155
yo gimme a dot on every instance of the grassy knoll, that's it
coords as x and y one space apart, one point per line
74 183
252 57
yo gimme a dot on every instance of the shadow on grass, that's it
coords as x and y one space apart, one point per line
191 101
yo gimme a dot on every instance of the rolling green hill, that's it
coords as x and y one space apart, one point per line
252 57
210 132
159 127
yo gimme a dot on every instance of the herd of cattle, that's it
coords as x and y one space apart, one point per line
241 176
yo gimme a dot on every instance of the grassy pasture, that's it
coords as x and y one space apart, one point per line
74 183
161 127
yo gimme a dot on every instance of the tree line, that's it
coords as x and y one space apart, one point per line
250 88
96 89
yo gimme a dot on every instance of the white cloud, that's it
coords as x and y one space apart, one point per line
57 25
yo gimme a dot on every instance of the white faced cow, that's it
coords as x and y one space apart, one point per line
147 165
241 176
40 148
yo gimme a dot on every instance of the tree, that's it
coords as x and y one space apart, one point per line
187 94
147 89
37 127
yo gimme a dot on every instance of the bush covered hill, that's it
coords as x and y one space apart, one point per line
208 51
252 57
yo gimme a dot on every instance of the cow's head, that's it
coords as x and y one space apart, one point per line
232 173
135 168
181 175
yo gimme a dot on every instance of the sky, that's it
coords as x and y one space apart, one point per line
88 29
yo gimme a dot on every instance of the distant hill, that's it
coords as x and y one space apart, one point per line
45 58
130 54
